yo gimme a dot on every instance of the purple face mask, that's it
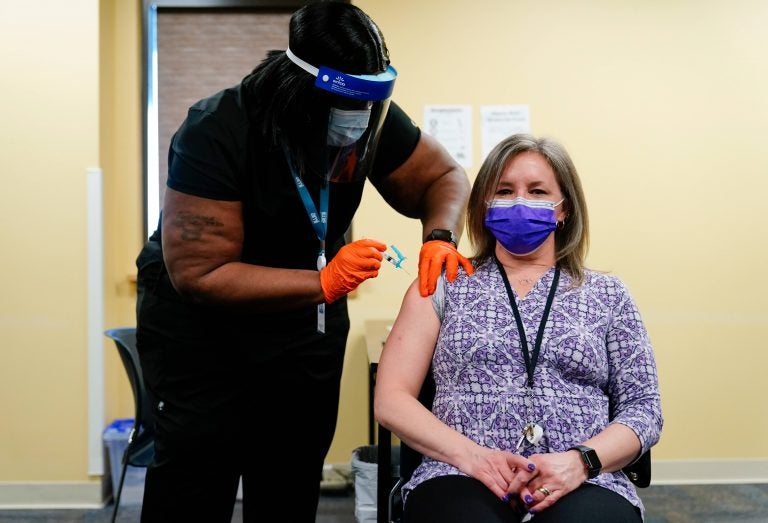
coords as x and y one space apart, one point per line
521 225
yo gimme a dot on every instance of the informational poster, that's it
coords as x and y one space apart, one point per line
500 121
452 126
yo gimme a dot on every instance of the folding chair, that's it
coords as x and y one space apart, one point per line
141 441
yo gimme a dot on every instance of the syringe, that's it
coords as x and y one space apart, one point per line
398 263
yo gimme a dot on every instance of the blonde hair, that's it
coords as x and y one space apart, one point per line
571 239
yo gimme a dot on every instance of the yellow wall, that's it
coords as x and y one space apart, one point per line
663 107
49 136
121 156
661 104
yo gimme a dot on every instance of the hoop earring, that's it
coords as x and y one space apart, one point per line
560 225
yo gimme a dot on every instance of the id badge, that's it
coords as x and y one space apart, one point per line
321 307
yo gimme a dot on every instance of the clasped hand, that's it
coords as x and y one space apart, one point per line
555 477
529 485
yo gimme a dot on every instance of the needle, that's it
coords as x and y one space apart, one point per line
396 262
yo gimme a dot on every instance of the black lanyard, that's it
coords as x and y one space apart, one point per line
530 359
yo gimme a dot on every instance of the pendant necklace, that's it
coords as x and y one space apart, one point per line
533 431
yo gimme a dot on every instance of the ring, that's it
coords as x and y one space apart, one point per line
544 490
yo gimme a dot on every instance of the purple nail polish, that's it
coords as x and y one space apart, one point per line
505 498
531 467
532 511
529 499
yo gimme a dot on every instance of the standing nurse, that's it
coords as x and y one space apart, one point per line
242 313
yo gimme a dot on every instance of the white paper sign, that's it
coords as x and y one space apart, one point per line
501 121
452 126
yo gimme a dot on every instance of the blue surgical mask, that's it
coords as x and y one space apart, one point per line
346 127
521 226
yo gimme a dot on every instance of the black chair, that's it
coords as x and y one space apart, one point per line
389 483
389 505
141 441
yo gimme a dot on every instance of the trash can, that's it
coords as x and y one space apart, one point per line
365 470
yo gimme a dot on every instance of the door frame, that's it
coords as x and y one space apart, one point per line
149 118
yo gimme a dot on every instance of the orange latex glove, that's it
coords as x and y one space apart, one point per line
433 255
352 265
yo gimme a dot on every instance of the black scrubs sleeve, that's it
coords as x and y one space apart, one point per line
207 154
399 137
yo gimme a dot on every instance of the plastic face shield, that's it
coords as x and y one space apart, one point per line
351 162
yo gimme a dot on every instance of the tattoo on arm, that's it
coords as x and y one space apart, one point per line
194 225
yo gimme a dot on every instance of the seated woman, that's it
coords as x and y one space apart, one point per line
534 355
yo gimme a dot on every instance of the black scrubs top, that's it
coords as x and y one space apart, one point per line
218 154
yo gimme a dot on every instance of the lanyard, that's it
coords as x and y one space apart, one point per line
320 224
319 220
531 359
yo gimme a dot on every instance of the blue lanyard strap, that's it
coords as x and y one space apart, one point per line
319 220
320 224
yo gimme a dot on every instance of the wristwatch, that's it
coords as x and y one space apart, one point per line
443 235
591 461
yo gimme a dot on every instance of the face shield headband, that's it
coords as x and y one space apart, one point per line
368 87
356 115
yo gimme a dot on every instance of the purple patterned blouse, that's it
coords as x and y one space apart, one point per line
596 367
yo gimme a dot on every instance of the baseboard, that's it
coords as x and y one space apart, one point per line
709 471
52 495
343 468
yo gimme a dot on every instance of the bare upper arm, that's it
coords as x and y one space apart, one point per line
199 236
405 189
410 345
